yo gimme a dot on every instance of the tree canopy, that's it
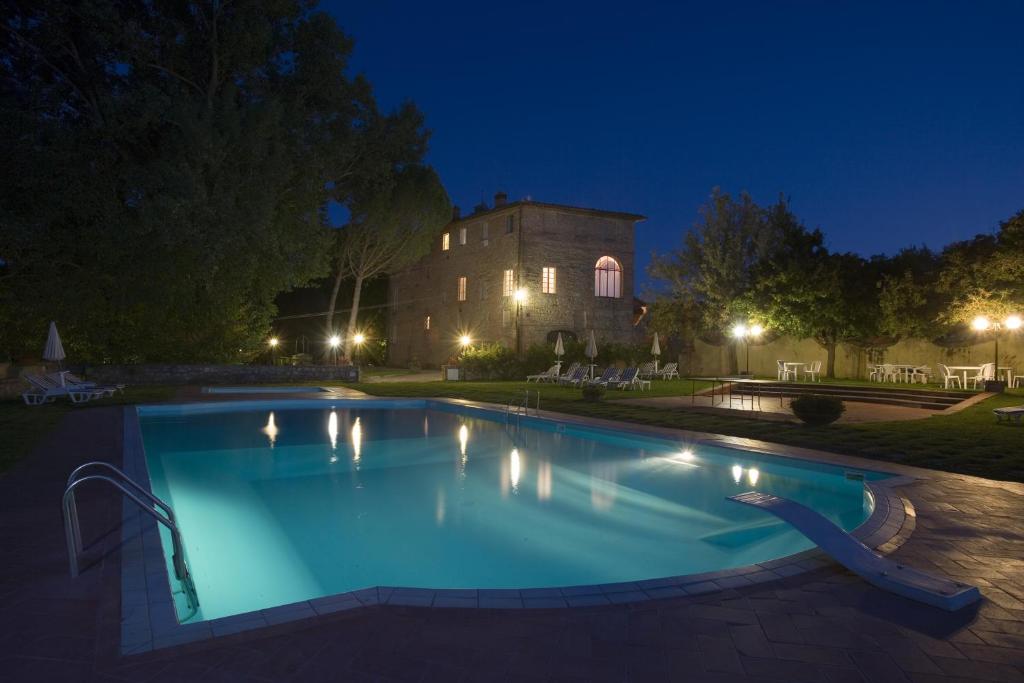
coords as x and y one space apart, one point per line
168 167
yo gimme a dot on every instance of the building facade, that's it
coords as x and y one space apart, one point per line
515 273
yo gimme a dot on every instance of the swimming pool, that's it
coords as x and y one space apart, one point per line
285 501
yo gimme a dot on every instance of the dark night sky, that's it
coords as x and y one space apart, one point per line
886 124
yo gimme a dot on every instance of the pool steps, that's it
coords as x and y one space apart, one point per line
858 558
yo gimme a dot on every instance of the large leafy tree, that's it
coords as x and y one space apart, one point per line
984 276
167 169
803 290
712 272
389 230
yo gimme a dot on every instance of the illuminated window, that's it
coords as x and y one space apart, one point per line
508 283
547 281
463 233
426 323
608 278
462 288
445 241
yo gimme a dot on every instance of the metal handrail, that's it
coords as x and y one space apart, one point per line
125 478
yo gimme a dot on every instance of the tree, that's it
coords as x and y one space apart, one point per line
984 276
713 269
909 300
389 231
803 290
168 166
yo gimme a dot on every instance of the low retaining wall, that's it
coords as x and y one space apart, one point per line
220 374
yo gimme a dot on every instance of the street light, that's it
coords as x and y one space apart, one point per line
982 324
273 342
335 342
358 338
746 332
465 341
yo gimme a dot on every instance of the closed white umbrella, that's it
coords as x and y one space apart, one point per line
54 350
591 351
655 351
559 351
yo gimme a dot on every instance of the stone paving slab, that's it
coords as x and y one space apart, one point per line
822 625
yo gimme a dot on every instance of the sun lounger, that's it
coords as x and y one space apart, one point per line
45 390
877 570
608 376
71 381
646 370
630 379
669 371
576 378
550 376
569 371
1009 413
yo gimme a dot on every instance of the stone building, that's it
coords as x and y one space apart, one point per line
516 273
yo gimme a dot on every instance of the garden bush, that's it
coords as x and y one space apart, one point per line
593 392
490 362
817 410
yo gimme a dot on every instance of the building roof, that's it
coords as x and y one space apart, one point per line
560 207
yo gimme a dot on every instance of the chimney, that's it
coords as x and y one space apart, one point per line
500 199
456 213
480 208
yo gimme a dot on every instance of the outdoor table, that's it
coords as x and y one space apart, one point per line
977 368
796 369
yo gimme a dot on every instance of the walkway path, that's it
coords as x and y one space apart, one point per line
776 410
826 625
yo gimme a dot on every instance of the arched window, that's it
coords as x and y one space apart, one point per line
608 278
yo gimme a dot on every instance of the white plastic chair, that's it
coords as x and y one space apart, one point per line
919 374
784 372
813 371
948 377
986 372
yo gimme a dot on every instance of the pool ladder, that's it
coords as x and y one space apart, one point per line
146 501
520 407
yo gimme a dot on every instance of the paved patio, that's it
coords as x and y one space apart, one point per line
826 625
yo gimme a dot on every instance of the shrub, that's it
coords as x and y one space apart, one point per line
490 361
817 410
593 392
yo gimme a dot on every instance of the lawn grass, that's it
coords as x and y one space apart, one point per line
968 442
23 426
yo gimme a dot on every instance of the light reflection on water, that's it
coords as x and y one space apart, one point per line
472 506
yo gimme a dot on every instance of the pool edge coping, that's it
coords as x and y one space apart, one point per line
149 621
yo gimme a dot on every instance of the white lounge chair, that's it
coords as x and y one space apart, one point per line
610 375
576 378
647 369
550 376
45 390
72 381
569 372
670 371
630 379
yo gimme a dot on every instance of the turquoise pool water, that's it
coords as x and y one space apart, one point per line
279 504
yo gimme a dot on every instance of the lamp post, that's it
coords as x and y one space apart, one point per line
358 339
335 342
273 342
520 298
982 324
746 333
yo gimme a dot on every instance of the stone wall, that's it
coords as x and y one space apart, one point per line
523 237
851 361
219 374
